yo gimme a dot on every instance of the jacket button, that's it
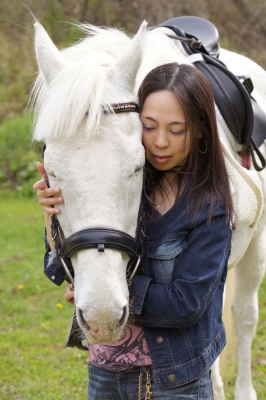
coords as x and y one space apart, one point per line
171 378
159 339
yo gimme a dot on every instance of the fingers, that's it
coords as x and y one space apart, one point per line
48 198
41 170
41 184
69 295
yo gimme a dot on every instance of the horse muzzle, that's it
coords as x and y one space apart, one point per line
98 332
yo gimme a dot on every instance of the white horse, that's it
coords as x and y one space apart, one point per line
96 159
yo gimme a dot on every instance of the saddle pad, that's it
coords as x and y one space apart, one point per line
248 203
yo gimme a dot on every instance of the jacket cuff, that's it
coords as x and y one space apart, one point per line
138 291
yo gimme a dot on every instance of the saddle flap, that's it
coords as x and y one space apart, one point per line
259 128
230 95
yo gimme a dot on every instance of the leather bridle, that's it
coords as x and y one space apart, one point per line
101 238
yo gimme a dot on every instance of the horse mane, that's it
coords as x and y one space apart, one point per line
60 106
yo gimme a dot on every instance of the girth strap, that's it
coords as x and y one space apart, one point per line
100 238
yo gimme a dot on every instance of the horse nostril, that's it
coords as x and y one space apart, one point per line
124 316
81 319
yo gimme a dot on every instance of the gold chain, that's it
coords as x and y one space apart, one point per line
140 386
148 386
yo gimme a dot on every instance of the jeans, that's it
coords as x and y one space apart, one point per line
107 385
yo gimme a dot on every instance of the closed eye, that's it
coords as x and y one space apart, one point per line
178 132
51 174
147 128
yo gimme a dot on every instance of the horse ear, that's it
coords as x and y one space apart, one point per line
128 64
49 58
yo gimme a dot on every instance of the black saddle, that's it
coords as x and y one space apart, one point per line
196 27
242 114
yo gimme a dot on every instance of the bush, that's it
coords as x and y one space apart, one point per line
18 156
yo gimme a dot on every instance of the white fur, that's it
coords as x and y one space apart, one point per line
93 158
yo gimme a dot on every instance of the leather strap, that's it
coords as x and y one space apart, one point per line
100 238
118 108
254 149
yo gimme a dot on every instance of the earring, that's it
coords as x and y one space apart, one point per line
206 148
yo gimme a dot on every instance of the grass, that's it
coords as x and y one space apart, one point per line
34 364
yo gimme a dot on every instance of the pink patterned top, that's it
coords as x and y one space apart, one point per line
130 351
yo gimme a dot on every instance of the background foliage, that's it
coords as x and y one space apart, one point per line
241 24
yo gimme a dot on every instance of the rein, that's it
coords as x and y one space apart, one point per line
100 237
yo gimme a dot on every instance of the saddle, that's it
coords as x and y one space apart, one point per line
233 94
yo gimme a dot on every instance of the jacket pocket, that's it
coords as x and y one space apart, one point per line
169 247
163 255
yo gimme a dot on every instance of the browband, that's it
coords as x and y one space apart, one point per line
119 108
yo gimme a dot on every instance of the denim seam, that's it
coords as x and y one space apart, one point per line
129 384
118 385
138 307
168 225
199 389
172 221
168 349
188 343
167 257
203 333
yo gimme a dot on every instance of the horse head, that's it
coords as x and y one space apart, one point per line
96 157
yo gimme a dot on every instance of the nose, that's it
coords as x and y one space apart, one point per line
161 139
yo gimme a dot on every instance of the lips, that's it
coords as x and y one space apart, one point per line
160 159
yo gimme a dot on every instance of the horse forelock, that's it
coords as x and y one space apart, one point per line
81 88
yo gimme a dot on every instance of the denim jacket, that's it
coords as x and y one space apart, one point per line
177 295
178 298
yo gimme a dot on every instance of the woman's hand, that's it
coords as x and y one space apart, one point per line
48 197
69 295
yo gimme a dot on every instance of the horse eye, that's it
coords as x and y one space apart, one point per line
51 174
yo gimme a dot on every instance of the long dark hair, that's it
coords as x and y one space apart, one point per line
205 172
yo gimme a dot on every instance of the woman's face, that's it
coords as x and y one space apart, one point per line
165 134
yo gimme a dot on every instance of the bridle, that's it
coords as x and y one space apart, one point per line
98 237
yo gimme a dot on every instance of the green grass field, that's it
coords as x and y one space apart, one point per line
34 364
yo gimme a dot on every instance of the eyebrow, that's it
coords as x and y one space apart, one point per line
172 123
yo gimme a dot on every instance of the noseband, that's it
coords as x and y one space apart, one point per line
101 238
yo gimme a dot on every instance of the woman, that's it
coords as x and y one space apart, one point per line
176 296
